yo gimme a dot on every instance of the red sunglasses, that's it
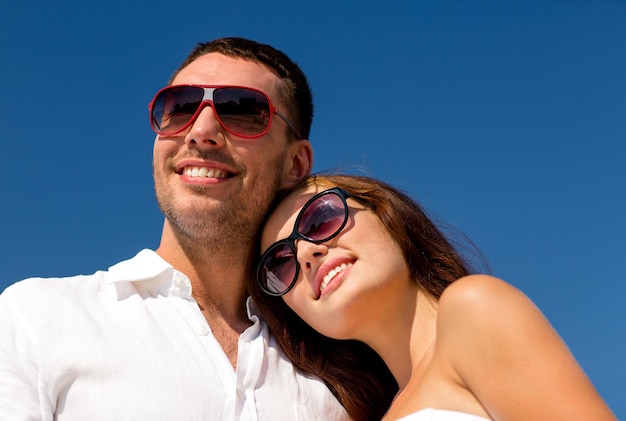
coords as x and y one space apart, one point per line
244 112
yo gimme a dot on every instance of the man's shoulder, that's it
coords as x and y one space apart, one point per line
48 288
77 285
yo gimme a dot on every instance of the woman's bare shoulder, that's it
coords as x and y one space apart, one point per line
493 335
481 295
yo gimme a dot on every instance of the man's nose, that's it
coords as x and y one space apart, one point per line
206 130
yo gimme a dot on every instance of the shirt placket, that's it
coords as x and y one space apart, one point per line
251 354
181 287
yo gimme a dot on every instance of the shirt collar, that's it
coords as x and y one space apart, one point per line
146 265
252 309
149 266
149 275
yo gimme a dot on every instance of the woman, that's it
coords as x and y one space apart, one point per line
360 262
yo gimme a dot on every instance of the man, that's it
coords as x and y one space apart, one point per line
171 334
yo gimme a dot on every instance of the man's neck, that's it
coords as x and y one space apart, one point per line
219 285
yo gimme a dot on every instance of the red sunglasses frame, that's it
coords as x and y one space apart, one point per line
207 100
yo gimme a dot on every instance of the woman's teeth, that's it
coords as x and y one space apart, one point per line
332 274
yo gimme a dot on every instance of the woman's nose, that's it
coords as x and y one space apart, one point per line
310 255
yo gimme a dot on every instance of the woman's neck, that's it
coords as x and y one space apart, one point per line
406 344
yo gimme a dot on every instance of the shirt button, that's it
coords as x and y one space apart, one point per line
240 393
179 282
203 330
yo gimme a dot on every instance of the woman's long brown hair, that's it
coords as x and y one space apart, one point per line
352 370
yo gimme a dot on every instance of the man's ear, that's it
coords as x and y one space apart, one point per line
299 165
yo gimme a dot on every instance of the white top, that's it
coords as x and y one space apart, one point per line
131 343
431 414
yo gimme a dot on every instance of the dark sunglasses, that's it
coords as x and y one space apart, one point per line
244 112
321 218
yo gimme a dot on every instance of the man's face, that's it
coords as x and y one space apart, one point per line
214 187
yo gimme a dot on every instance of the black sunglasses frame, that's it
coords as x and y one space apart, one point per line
296 235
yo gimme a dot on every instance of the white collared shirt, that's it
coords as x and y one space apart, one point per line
131 343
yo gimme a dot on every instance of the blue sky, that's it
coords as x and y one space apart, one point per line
506 119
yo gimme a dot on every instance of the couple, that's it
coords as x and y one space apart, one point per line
173 334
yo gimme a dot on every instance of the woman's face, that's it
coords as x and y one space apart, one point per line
348 282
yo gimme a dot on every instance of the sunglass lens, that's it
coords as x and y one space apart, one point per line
174 107
278 268
322 218
242 111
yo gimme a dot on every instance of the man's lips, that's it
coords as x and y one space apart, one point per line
203 169
204 172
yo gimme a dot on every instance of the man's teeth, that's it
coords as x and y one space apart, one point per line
204 172
332 274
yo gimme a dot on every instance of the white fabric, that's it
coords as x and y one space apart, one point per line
431 414
131 343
